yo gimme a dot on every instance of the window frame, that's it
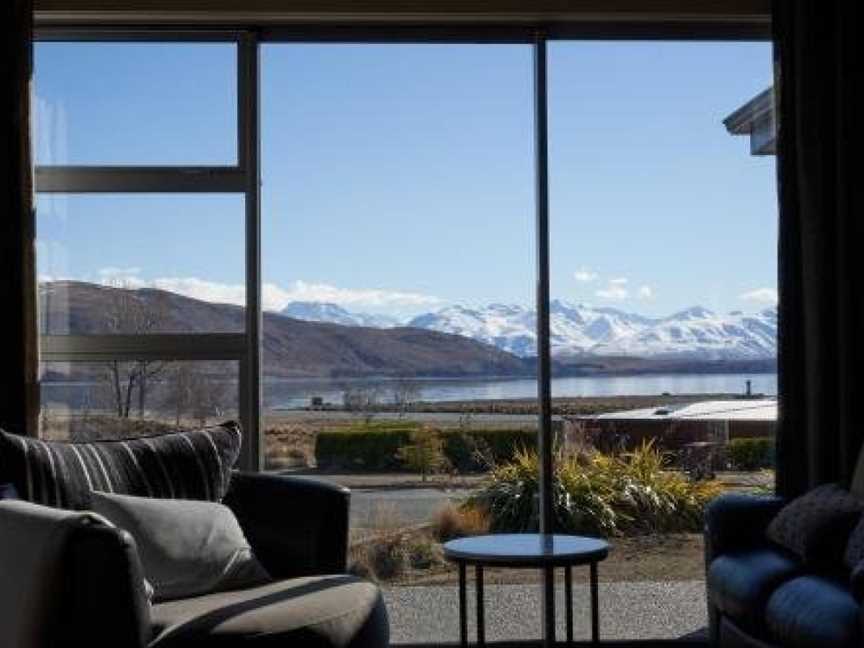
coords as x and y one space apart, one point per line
246 347
244 177
240 178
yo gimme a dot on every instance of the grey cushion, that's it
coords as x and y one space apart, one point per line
816 526
312 612
187 547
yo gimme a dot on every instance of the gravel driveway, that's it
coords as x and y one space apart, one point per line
627 611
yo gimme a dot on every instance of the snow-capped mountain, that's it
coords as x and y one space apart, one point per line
579 329
324 312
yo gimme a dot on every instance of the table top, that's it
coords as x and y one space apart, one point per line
527 550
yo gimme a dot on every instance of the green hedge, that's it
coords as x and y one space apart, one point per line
374 446
751 454
363 447
473 450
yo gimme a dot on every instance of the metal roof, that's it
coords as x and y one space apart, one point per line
756 119
763 409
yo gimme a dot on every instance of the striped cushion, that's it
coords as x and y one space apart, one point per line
194 464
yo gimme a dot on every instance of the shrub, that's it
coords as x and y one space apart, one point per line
377 445
751 454
423 552
474 450
389 557
459 521
424 453
372 446
602 495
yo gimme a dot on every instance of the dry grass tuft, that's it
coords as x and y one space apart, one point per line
289 445
460 521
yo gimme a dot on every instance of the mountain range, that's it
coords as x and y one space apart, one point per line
579 330
496 340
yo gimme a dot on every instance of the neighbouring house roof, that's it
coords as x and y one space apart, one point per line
756 119
763 409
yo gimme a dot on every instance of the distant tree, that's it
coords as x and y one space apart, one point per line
362 400
424 453
406 393
130 313
193 393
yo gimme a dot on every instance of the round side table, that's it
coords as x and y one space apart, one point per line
525 551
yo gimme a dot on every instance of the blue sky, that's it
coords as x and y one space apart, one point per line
399 178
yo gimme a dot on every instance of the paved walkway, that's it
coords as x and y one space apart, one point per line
627 611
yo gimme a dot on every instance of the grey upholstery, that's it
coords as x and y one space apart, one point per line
313 611
741 583
297 528
45 595
763 596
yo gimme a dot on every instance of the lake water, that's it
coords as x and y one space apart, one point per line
292 394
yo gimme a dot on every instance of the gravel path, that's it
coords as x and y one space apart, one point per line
627 611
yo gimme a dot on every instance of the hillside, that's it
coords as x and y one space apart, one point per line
292 348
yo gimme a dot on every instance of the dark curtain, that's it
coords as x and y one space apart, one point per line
821 274
18 344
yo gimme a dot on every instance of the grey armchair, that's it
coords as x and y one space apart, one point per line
69 580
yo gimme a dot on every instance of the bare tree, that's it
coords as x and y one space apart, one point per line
194 393
130 313
406 393
362 400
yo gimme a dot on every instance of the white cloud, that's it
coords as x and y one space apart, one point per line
304 291
646 292
209 291
761 296
584 275
273 296
119 273
615 289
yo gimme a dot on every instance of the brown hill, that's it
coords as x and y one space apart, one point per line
292 348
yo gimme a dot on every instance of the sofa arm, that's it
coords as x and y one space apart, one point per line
68 580
737 521
106 584
296 526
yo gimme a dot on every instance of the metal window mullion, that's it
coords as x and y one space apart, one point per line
106 34
249 144
139 179
544 362
83 348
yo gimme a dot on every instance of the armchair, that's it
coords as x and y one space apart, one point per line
762 596
297 528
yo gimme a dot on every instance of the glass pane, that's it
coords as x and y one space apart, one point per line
83 401
140 263
398 217
136 103
664 239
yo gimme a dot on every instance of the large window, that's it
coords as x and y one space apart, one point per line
663 277
397 222
372 316
145 188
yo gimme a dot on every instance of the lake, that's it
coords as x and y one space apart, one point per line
293 394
